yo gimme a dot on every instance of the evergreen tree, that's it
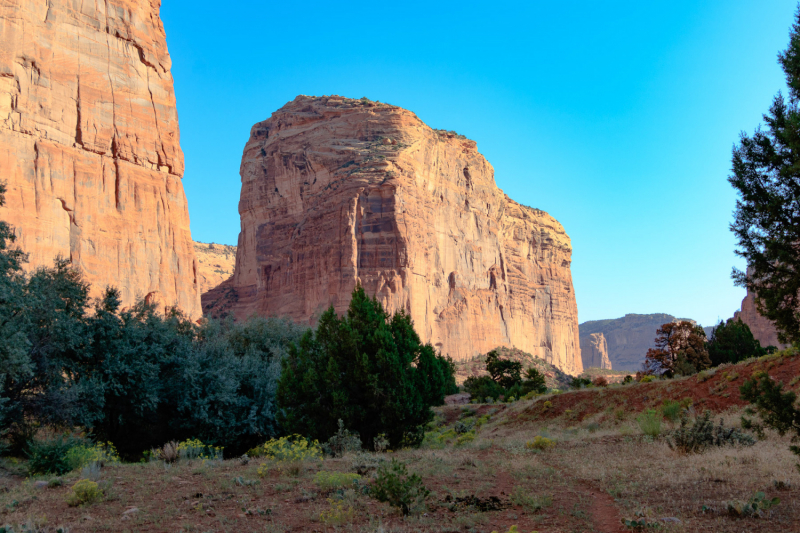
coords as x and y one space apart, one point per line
732 342
766 174
366 368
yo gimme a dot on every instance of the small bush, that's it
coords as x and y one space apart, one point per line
755 506
703 434
53 456
288 449
465 438
462 427
627 379
380 443
342 442
650 423
167 453
580 383
327 481
399 488
102 454
84 492
671 410
195 449
363 463
337 514
540 443
647 379
600 381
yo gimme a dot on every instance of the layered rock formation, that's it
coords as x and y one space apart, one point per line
338 191
215 264
89 145
762 328
628 338
594 351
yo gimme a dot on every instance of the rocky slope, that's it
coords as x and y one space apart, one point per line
338 191
215 264
89 145
628 338
762 328
594 351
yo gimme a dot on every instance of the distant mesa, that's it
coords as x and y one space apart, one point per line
337 191
627 338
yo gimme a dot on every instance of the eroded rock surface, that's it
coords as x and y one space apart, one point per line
762 328
89 145
338 191
594 351
215 264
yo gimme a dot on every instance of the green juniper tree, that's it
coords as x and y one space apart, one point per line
366 368
731 342
766 174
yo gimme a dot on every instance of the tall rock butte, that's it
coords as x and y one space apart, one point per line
89 145
762 328
594 351
338 191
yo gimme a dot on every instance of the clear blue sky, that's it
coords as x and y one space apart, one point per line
618 118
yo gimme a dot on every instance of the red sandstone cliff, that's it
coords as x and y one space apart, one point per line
594 351
337 191
89 145
762 328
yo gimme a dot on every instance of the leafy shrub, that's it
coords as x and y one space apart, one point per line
647 379
627 379
337 514
195 449
650 423
580 383
327 481
101 454
53 456
380 443
540 443
342 442
395 486
671 410
289 448
483 387
547 405
465 437
703 434
776 407
462 427
84 492
600 381
755 506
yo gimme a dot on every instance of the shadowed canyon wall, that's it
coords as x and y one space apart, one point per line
89 145
338 191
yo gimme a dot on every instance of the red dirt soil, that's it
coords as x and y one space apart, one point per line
716 393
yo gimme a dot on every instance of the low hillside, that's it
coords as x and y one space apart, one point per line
554 378
216 263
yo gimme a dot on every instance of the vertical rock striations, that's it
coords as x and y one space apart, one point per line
594 351
89 145
338 191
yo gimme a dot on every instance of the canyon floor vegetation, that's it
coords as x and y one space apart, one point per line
666 455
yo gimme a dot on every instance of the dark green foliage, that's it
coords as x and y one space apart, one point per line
50 456
395 486
627 379
366 368
506 382
580 383
483 387
732 342
766 174
703 434
776 408
504 372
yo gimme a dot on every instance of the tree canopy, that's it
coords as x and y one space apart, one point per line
732 342
366 368
766 174
680 349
